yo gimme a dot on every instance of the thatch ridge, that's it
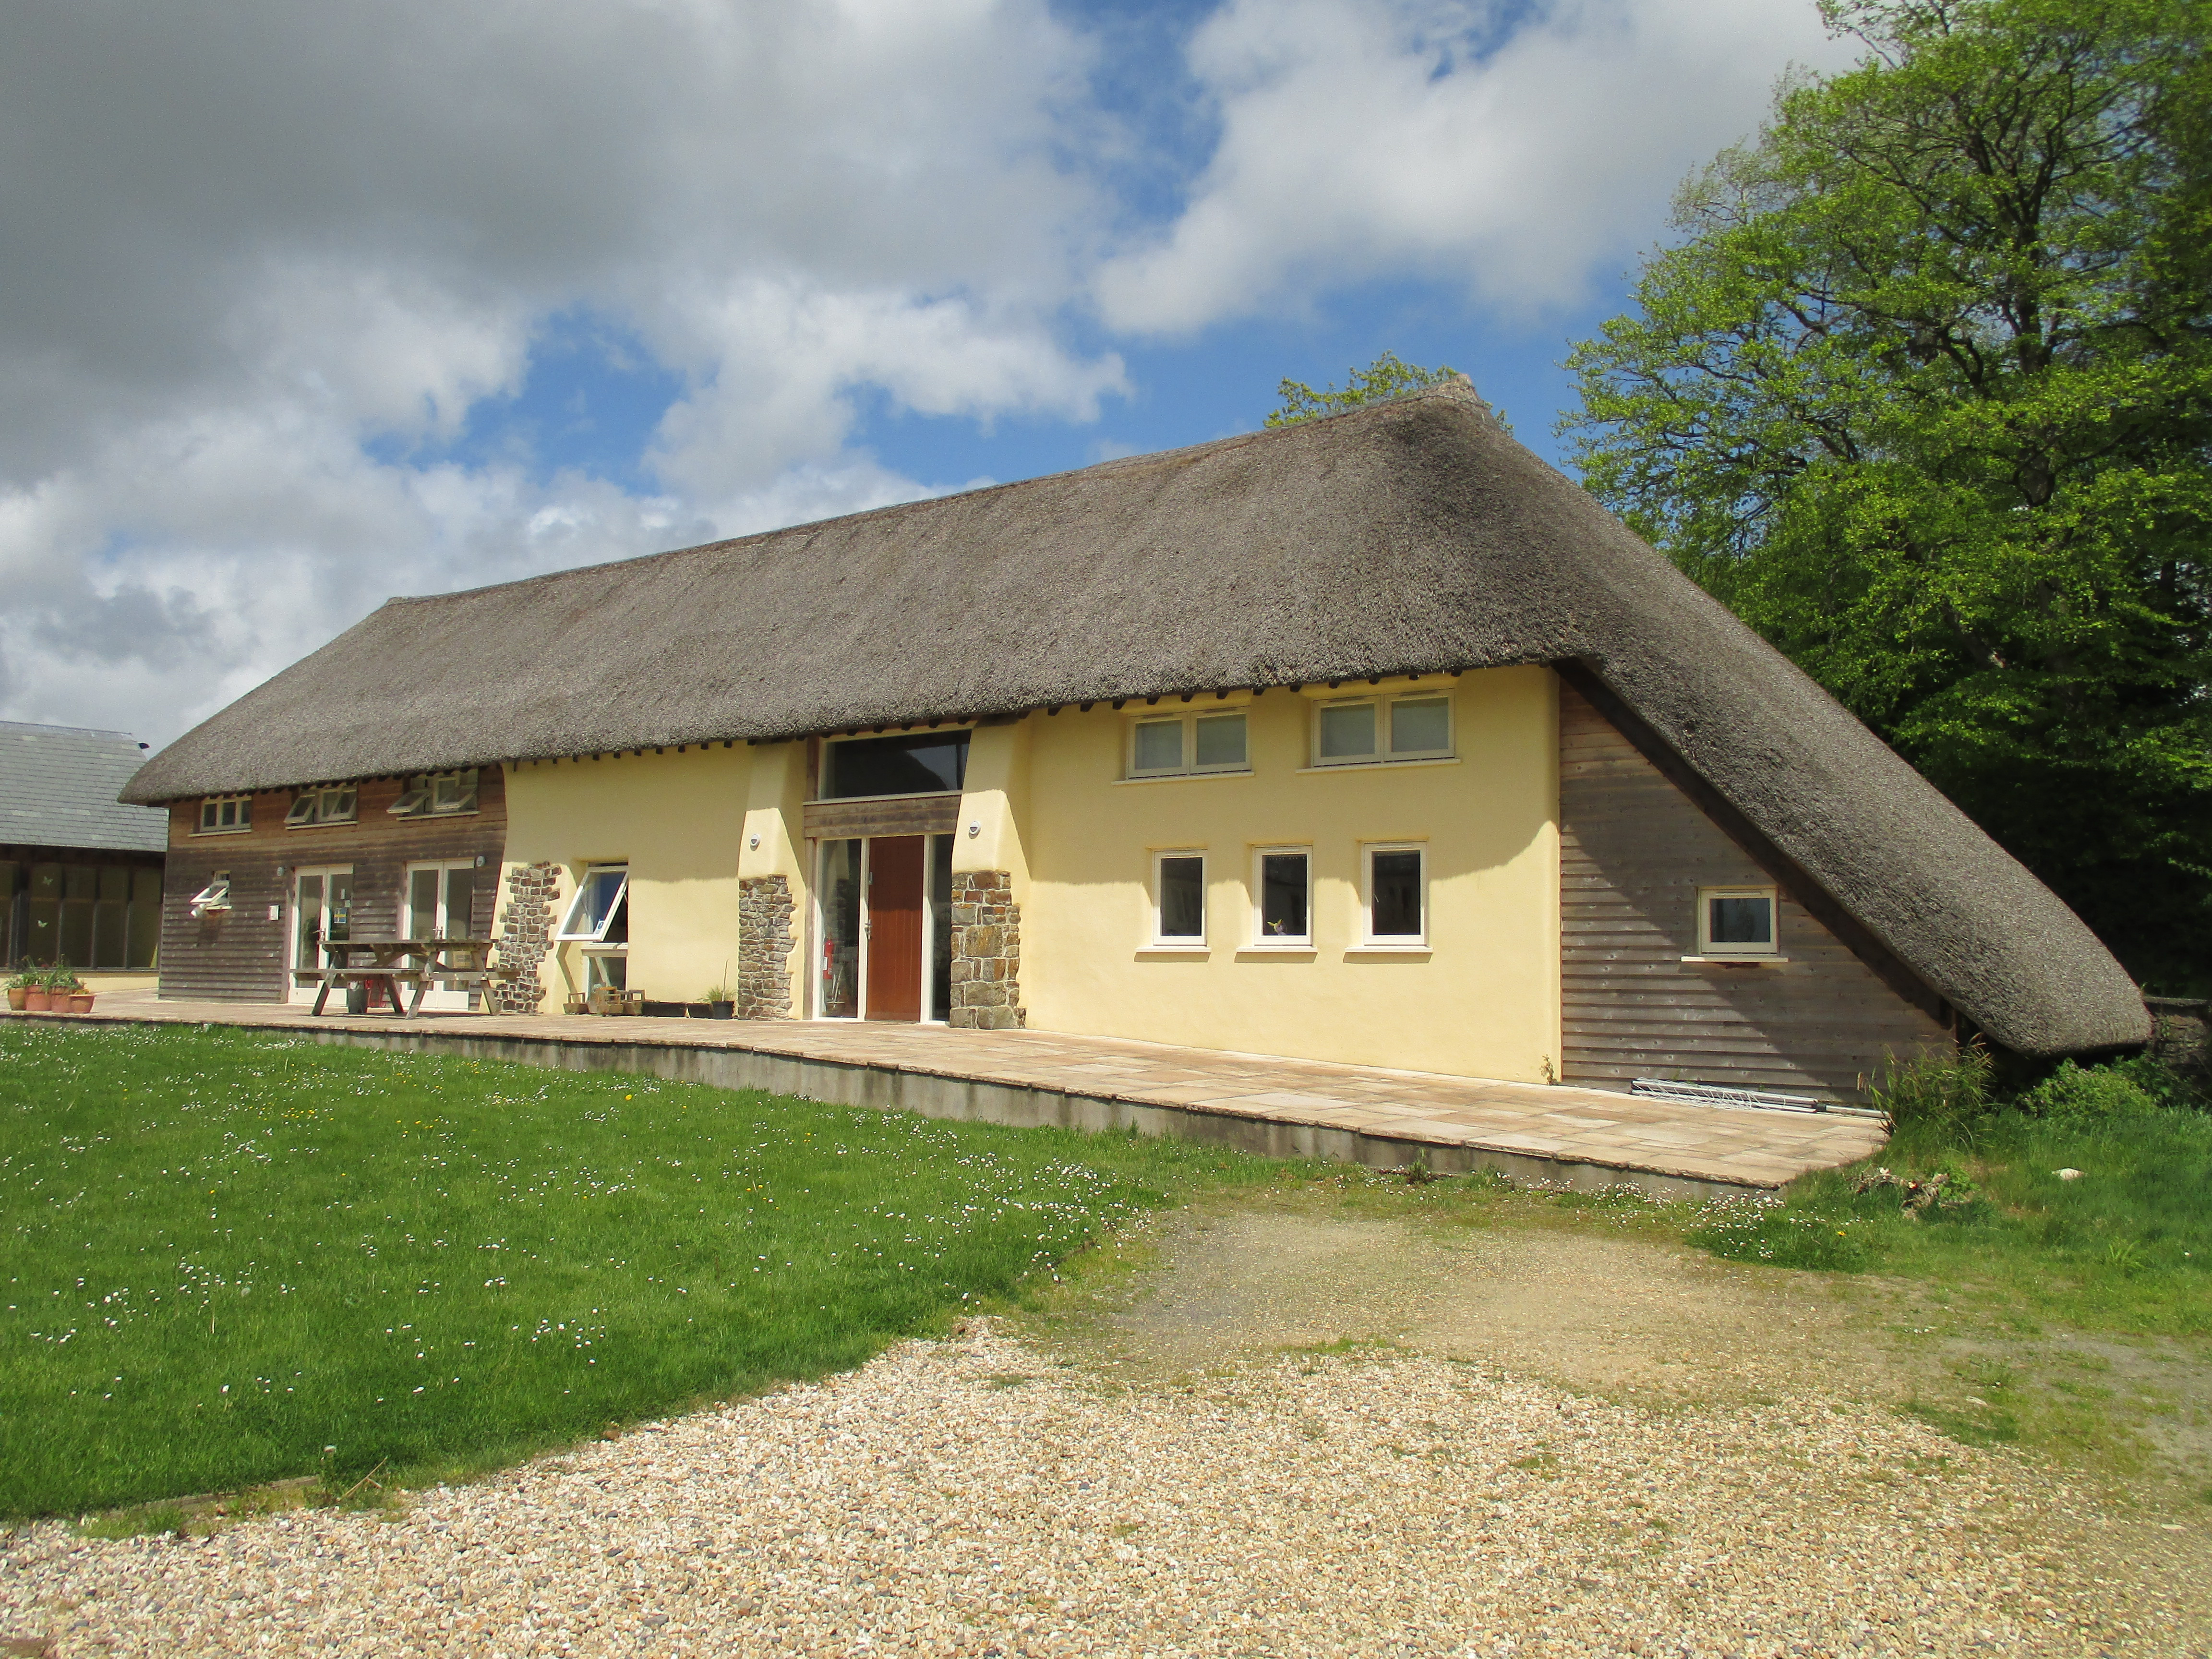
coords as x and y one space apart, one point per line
1411 537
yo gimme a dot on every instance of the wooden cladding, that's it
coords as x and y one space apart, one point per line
900 815
242 955
1634 850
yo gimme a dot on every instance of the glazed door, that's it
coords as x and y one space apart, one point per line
894 927
322 909
441 903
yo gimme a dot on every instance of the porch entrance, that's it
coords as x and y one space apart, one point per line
441 903
322 909
884 928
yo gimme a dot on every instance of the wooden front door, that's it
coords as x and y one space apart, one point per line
895 916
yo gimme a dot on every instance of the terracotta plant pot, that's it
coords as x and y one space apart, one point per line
15 996
81 1002
36 1002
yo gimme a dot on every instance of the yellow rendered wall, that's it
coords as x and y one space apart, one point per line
679 821
1485 1001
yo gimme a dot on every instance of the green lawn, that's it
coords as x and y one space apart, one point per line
231 1257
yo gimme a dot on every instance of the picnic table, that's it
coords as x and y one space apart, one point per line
386 965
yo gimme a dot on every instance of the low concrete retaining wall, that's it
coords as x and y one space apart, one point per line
982 1101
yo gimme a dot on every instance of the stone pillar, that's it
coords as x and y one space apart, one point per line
987 953
764 947
526 936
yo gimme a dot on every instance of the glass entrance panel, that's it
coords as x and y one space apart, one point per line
322 911
837 984
442 904
940 927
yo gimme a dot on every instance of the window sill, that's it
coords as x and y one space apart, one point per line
242 829
1737 962
418 817
1175 950
1381 765
1188 777
1276 951
1391 950
335 823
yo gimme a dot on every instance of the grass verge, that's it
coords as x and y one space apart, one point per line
231 1258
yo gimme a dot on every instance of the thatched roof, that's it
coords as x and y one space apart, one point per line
1405 538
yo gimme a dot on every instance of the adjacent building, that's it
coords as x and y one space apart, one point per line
1371 739
80 872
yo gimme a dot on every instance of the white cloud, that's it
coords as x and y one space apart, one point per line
260 257
249 246
1365 138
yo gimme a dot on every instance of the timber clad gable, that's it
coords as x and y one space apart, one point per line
1634 850
242 955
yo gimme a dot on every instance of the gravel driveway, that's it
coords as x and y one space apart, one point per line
982 1496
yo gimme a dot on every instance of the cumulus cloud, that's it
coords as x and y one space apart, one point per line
266 266
1448 139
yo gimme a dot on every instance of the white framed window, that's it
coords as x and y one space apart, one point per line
1282 898
1395 895
606 970
599 913
215 895
437 794
1163 745
1363 731
226 815
1736 921
1179 901
333 804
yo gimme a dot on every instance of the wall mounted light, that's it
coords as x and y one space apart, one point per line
974 830
480 860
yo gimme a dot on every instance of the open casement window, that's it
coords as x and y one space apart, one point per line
1361 730
1179 901
599 913
1736 922
215 895
1396 910
1282 910
335 804
1177 745
437 794
224 814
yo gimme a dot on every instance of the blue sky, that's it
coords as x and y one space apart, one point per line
313 306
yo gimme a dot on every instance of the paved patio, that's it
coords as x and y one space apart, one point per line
1373 1115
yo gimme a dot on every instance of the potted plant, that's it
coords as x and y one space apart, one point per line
20 986
39 999
722 1001
63 988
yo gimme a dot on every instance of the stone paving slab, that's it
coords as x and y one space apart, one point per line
1575 1128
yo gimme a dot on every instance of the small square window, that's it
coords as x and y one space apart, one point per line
1420 727
1396 896
1736 921
1284 913
1158 747
1220 741
1347 731
1179 915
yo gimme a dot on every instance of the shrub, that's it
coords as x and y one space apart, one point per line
2088 1094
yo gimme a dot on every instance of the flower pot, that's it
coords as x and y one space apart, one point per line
721 1009
81 1002
36 1002
15 995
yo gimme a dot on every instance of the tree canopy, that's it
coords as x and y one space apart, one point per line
1386 377
1922 388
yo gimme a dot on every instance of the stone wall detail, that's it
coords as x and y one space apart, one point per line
987 953
526 937
764 947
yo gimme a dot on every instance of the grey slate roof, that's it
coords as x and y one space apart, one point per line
57 788
1405 537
